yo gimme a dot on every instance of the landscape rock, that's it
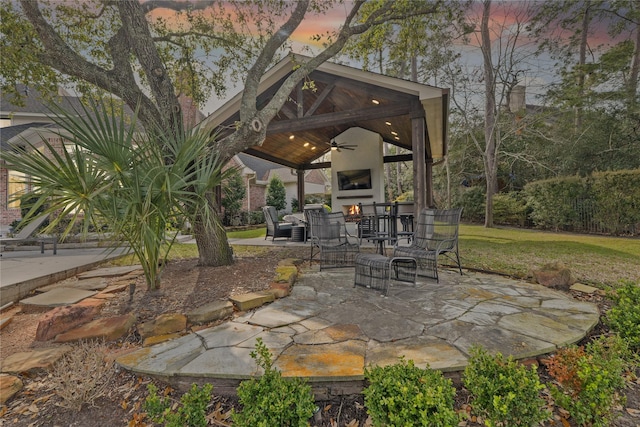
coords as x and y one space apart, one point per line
33 361
280 290
210 312
251 300
167 323
5 320
9 386
554 276
286 274
63 319
586 289
109 329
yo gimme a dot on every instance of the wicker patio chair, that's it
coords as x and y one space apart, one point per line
275 228
436 234
329 235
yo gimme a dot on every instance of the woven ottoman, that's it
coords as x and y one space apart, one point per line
376 271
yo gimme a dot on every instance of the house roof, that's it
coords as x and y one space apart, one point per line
343 98
260 166
8 134
34 103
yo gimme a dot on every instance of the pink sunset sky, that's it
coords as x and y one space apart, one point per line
503 15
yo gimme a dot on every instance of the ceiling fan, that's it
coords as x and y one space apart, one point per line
337 147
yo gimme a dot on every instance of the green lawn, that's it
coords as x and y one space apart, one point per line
596 260
247 234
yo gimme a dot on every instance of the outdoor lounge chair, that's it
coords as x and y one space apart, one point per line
275 228
25 235
329 235
436 234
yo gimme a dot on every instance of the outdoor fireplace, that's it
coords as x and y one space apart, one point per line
357 175
351 212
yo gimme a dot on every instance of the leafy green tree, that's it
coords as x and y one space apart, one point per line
128 49
276 194
595 100
136 183
233 190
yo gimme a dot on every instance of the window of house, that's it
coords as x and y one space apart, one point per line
17 185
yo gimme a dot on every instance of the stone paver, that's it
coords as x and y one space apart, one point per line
56 298
329 331
109 272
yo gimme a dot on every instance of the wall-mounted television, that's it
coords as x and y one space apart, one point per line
357 179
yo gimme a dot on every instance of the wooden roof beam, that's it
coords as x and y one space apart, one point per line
338 118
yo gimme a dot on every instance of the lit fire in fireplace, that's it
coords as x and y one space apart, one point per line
353 210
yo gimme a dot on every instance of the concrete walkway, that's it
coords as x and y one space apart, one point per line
328 331
23 271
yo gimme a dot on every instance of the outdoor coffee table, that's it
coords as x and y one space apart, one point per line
376 271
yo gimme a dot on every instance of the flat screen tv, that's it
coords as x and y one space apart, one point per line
357 179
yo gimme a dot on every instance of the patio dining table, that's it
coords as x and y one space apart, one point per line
378 224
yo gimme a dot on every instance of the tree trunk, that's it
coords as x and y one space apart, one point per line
581 71
635 71
213 246
490 152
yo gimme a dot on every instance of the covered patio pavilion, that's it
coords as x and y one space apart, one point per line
335 98
328 331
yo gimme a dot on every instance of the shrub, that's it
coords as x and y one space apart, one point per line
504 392
272 400
608 200
472 200
589 380
191 412
276 193
624 317
404 395
509 209
82 375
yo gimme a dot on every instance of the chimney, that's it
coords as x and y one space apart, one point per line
517 99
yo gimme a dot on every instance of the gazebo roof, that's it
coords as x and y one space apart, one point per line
342 97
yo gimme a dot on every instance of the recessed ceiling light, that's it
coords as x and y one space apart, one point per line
375 101
306 144
291 137
397 138
394 133
313 148
387 123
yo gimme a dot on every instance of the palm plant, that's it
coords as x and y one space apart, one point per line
138 183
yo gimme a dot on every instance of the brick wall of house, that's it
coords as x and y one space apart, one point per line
258 197
7 215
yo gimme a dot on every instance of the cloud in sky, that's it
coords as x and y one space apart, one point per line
505 16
